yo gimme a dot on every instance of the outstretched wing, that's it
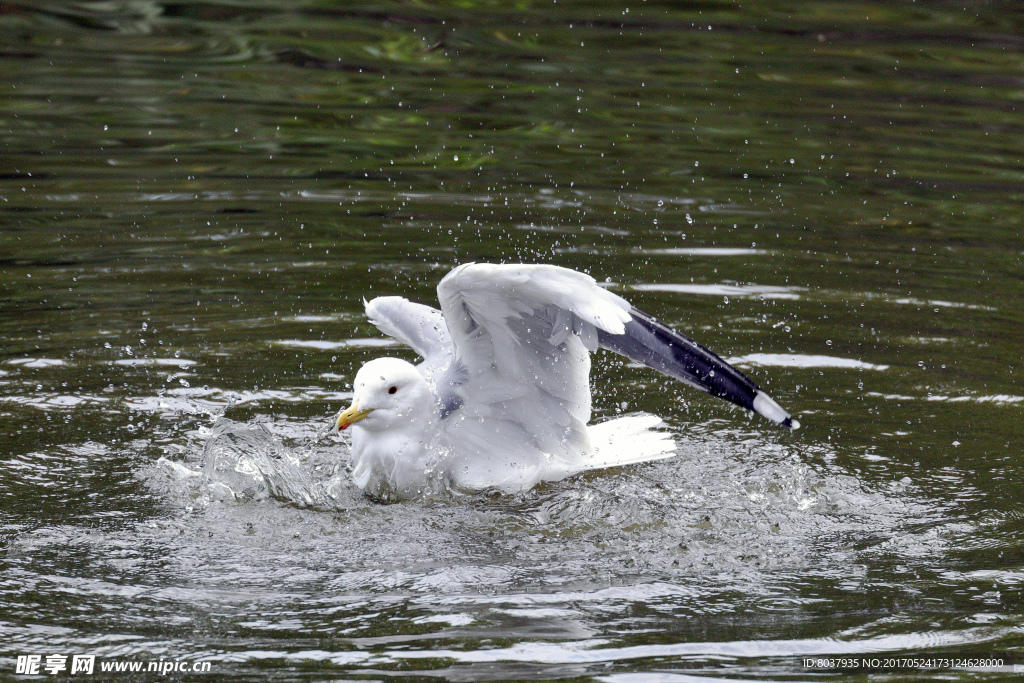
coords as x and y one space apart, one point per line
421 327
568 304
522 336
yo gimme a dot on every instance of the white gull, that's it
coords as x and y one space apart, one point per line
502 398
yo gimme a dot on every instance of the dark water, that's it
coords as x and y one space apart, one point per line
195 197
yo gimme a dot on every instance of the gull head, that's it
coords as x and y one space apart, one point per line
387 394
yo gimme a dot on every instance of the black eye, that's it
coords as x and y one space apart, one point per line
392 390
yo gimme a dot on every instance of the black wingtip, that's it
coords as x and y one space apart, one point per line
656 345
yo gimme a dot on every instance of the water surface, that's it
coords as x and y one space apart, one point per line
195 198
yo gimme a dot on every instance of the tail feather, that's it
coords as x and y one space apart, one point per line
627 440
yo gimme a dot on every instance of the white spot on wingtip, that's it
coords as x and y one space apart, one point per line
764 405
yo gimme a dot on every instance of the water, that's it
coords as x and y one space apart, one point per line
196 197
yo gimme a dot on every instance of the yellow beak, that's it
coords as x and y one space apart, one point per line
349 416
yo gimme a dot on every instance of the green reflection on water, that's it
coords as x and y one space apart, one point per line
223 174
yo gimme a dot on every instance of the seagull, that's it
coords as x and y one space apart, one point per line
501 400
